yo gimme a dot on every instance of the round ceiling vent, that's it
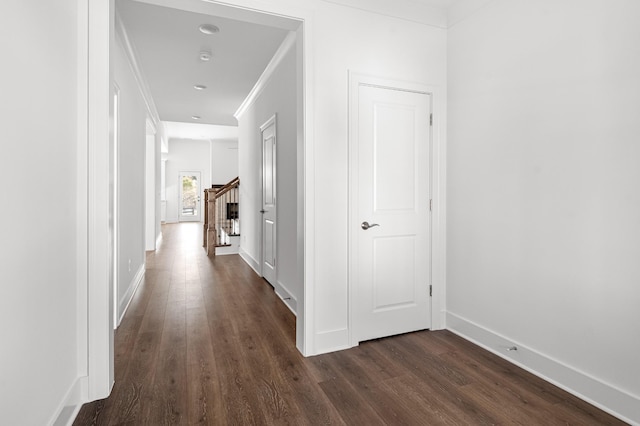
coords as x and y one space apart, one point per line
208 29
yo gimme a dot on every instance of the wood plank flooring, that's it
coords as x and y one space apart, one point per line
206 341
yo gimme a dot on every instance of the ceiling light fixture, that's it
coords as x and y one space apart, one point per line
208 29
199 87
195 117
205 56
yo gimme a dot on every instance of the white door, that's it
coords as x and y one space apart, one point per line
150 192
269 244
390 220
189 197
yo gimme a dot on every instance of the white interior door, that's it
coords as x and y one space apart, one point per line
269 243
391 240
189 194
150 192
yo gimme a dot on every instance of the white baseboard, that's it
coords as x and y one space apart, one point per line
70 405
607 397
254 264
287 297
331 341
124 302
171 220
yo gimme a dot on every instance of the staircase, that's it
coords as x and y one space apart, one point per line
221 217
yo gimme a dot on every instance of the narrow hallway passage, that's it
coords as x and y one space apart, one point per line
206 341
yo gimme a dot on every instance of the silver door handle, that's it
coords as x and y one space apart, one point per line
365 225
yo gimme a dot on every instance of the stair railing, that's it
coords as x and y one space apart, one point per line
222 219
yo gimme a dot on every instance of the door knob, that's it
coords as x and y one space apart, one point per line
365 225
263 211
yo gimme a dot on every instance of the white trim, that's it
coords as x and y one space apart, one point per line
114 198
100 349
603 395
132 58
286 296
438 193
287 44
125 300
82 206
332 341
249 260
70 405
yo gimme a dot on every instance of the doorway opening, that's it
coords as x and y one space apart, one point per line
100 27
189 196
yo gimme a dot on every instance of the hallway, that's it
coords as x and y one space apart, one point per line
206 341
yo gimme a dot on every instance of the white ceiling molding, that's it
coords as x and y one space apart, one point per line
427 12
287 44
130 52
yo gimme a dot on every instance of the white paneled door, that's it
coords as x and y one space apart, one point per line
390 182
269 242
189 193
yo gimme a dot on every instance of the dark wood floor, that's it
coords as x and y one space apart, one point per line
208 342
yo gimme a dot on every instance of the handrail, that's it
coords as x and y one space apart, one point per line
227 187
218 224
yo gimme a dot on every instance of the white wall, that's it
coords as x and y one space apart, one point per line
131 178
278 97
189 156
543 199
39 365
350 39
224 161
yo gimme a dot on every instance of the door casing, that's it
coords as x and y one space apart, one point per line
355 81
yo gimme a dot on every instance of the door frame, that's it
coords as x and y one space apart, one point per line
436 157
150 185
96 29
201 188
273 120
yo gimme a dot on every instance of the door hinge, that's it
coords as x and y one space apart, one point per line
431 205
431 119
430 291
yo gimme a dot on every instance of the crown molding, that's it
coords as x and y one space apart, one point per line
287 44
132 58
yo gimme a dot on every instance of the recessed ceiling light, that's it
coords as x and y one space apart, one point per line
208 29
195 117
199 87
205 56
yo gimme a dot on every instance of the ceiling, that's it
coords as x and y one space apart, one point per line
167 43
